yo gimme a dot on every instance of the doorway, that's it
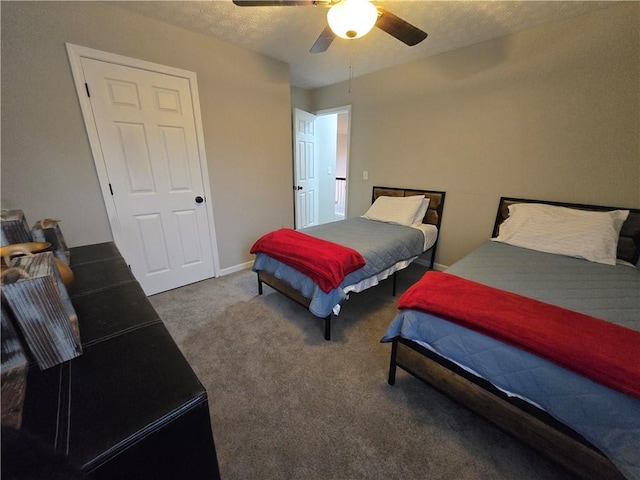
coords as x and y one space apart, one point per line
321 154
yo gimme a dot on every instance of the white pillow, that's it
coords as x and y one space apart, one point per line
397 210
564 231
422 211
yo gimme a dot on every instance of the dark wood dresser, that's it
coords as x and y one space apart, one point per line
130 407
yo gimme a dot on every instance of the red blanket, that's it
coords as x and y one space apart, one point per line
326 263
600 350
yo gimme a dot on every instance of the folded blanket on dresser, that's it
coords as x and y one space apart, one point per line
326 263
600 350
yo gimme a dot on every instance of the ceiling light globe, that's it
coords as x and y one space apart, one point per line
352 18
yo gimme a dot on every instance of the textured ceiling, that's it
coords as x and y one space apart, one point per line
287 33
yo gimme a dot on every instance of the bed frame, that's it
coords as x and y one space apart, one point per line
433 216
527 423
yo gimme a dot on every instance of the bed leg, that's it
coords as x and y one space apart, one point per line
394 284
327 327
433 256
392 363
259 285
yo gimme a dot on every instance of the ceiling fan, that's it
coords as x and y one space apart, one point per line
349 19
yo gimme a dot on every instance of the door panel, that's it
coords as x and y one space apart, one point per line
151 231
188 229
175 149
135 156
147 134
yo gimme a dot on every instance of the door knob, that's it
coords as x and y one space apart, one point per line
297 188
199 199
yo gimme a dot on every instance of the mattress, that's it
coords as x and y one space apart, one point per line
385 247
608 419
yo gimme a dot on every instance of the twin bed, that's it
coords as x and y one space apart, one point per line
400 226
591 427
565 377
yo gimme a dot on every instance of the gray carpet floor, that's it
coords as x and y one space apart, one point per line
286 404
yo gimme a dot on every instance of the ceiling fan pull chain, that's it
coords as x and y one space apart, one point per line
350 70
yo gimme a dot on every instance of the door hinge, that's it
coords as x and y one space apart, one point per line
86 86
111 189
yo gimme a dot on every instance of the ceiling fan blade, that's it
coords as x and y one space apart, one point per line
279 3
398 28
324 41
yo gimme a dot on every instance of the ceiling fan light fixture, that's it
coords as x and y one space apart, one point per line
352 18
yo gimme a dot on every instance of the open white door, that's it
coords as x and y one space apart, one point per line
146 148
305 169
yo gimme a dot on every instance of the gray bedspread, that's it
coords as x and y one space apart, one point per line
604 291
381 244
607 418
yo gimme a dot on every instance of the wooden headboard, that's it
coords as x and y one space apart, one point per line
436 200
628 244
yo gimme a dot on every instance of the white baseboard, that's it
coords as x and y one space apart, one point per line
235 268
426 263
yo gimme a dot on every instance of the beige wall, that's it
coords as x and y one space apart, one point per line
47 167
301 98
549 113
